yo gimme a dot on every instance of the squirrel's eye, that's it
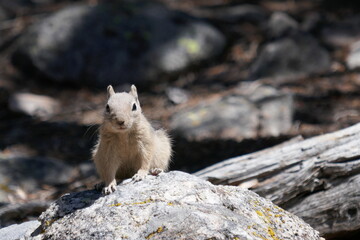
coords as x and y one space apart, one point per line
134 107
107 108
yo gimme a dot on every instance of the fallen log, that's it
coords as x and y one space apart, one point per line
317 179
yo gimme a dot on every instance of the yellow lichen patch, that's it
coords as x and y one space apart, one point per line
197 117
115 205
255 202
191 46
251 226
143 202
272 233
135 203
49 222
267 217
159 230
259 213
268 210
150 235
5 188
279 208
170 204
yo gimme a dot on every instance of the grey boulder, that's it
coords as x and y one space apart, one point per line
281 24
232 116
173 205
247 113
294 56
127 41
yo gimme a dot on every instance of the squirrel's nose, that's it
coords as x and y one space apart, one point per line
121 123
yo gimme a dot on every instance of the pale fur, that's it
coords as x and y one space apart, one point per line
133 151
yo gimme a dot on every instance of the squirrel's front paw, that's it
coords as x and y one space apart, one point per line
110 188
156 171
140 175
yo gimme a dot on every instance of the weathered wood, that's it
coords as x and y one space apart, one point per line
318 179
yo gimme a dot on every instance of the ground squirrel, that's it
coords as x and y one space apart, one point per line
128 145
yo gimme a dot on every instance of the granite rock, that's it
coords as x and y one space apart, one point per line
170 205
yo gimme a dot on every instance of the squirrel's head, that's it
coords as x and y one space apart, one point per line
122 109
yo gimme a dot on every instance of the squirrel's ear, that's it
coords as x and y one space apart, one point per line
110 91
133 91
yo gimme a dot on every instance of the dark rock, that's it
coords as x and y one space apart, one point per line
14 7
130 41
234 14
30 173
249 113
292 56
312 22
4 95
281 24
342 34
19 231
173 205
4 15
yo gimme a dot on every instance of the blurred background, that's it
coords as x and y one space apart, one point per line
225 77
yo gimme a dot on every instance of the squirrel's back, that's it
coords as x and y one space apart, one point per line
163 149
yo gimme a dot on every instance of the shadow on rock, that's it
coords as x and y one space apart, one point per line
72 202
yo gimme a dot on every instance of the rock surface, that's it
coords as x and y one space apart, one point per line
280 24
253 111
18 231
171 205
128 41
292 56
